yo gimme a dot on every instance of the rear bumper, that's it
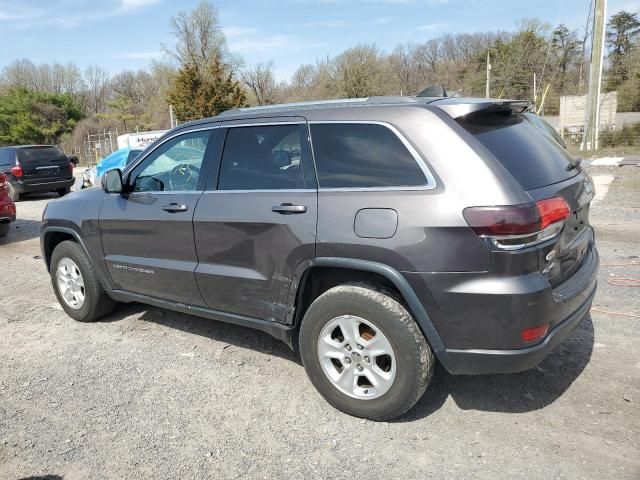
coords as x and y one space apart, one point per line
474 362
7 212
45 186
480 317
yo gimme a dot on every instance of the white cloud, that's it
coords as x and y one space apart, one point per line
15 14
246 41
22 19
126 5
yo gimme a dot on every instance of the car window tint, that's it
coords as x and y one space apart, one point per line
531 156
266 157
174 166
132 156
7 157
363 156
38 154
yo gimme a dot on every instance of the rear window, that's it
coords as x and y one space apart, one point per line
352 155
7 157
533 158
26 155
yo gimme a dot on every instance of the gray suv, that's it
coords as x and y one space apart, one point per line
373 235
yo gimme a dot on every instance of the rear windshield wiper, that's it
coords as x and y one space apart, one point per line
574 165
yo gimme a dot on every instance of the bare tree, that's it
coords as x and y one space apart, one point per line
360 72
261 81
97 81
403 64
199 36
55 78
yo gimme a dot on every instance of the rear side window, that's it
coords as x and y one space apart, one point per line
350 155
7 157
532 157
269 157
38 154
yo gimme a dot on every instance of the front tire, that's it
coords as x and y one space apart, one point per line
364 352
76 284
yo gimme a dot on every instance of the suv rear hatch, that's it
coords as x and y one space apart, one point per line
545 170
42 164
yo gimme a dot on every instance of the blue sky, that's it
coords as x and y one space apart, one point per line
126 34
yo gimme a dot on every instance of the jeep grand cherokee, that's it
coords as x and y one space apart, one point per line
375 235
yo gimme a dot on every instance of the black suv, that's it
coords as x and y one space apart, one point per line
374 235
36 168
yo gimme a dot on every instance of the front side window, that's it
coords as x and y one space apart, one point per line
174 166
266 157
133 154
353 155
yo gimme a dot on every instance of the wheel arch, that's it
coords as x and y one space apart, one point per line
301 290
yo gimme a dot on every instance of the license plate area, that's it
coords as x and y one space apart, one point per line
47 171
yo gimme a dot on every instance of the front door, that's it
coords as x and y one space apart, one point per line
147 234
259 221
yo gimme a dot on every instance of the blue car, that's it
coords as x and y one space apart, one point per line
118 159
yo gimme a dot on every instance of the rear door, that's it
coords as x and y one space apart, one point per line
44 164
147 234
257 221
544 169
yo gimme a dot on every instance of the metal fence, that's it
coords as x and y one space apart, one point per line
95 147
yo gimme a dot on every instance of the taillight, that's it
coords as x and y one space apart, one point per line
552 210
17 171
517 226
535 333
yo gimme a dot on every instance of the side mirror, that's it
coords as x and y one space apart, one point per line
112 181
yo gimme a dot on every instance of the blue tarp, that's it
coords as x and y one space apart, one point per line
117 159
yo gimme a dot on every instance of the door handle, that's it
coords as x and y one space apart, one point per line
175 207
288 209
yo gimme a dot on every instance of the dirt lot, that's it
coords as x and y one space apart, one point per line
154 394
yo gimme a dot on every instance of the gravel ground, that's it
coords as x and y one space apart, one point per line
147 393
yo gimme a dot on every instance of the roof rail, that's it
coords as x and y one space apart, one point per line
283 106
322 103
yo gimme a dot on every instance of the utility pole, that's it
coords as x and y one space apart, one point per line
535 92
488 76
592 114
171 116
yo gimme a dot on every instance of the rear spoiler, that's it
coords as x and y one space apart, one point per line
459 107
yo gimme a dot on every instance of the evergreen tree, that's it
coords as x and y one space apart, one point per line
622 30
36 117
197 94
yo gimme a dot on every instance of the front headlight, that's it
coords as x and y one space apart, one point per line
89 177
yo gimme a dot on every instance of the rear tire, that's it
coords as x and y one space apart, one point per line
4 229
95 302
63 191
385 346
